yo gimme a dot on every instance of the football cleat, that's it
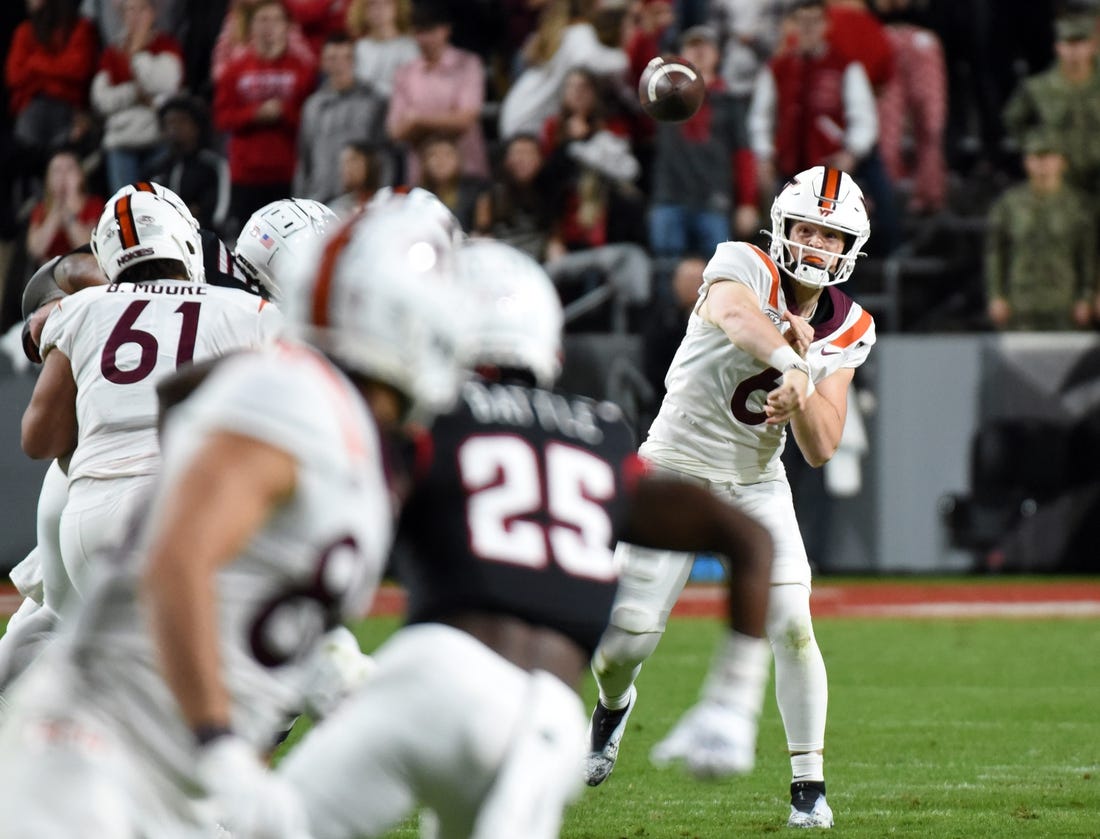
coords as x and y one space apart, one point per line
605 732
808 805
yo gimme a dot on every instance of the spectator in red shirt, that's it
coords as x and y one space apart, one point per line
319 19
135 76
233 40
857 34
48 71
63 220
258 101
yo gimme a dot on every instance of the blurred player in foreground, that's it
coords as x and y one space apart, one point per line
772 342
518 496
270 523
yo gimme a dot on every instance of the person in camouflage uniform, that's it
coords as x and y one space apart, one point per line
1065 100
1040 249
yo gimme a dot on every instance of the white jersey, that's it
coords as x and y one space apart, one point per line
316 561
121 339
712 422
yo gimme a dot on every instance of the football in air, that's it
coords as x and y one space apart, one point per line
671 89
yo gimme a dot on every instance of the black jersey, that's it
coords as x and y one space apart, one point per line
220 266
519 496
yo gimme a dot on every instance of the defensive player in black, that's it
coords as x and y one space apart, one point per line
518 497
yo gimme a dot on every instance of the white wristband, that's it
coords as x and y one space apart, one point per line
785 358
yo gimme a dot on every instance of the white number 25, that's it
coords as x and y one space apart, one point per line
517 515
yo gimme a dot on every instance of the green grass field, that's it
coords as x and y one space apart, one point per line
937 729
968 728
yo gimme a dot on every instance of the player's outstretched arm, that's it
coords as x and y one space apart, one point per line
733 307
716 736
672 515
225 494
205 520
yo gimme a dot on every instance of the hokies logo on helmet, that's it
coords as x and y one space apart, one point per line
132 255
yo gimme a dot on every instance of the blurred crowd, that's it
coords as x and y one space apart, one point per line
971 126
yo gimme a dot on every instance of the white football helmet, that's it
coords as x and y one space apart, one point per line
142 226
426 200
198 269
827 197
382 299
518 316
277 235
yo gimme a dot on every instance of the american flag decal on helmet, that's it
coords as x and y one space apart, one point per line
830 190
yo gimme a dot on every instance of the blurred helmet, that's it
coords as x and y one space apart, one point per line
826 197
518 316
425 200
381 299
142 226
278 235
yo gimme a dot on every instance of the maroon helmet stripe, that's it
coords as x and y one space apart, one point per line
144 186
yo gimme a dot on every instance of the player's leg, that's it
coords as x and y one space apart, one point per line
431 726
51 502
538 778
29 629
95 520
649 584
801 684
62 771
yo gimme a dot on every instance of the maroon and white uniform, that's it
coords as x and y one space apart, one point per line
94 738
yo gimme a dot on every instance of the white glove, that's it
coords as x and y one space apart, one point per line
337 668
249 801
717 736
712 740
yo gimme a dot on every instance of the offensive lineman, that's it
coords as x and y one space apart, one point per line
771 342
517 495
103 350
271 521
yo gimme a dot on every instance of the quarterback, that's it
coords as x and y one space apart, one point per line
772 344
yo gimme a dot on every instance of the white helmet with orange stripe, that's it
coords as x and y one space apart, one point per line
381 298
828 198
161 191
142 226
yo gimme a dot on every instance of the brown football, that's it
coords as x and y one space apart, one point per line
671 89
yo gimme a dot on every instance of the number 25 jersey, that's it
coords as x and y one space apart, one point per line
121 339
519 496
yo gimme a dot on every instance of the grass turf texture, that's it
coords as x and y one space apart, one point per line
936 729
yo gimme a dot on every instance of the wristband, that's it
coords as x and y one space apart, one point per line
207 734
785 358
